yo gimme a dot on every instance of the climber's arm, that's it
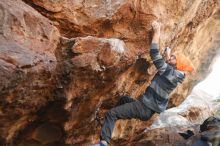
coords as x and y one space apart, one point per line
158 60
156 35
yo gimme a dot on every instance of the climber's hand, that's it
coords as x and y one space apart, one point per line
167 53
156 26
156 35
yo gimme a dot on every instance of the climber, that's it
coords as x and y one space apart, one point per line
170 71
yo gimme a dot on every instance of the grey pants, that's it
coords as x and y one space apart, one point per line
127 108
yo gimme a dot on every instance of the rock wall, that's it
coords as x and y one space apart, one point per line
65 63
27 60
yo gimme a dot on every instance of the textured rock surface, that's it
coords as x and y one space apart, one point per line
61 75
27 62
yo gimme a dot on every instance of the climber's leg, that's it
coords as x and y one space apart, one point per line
135 109
125 99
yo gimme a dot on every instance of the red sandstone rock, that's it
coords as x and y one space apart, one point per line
27 60
84 76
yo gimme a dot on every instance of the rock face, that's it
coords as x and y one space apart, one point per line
63 64
27 61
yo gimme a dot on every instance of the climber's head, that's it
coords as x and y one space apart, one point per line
182 63
172 60
178 61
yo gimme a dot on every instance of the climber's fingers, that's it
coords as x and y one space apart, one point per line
156 25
